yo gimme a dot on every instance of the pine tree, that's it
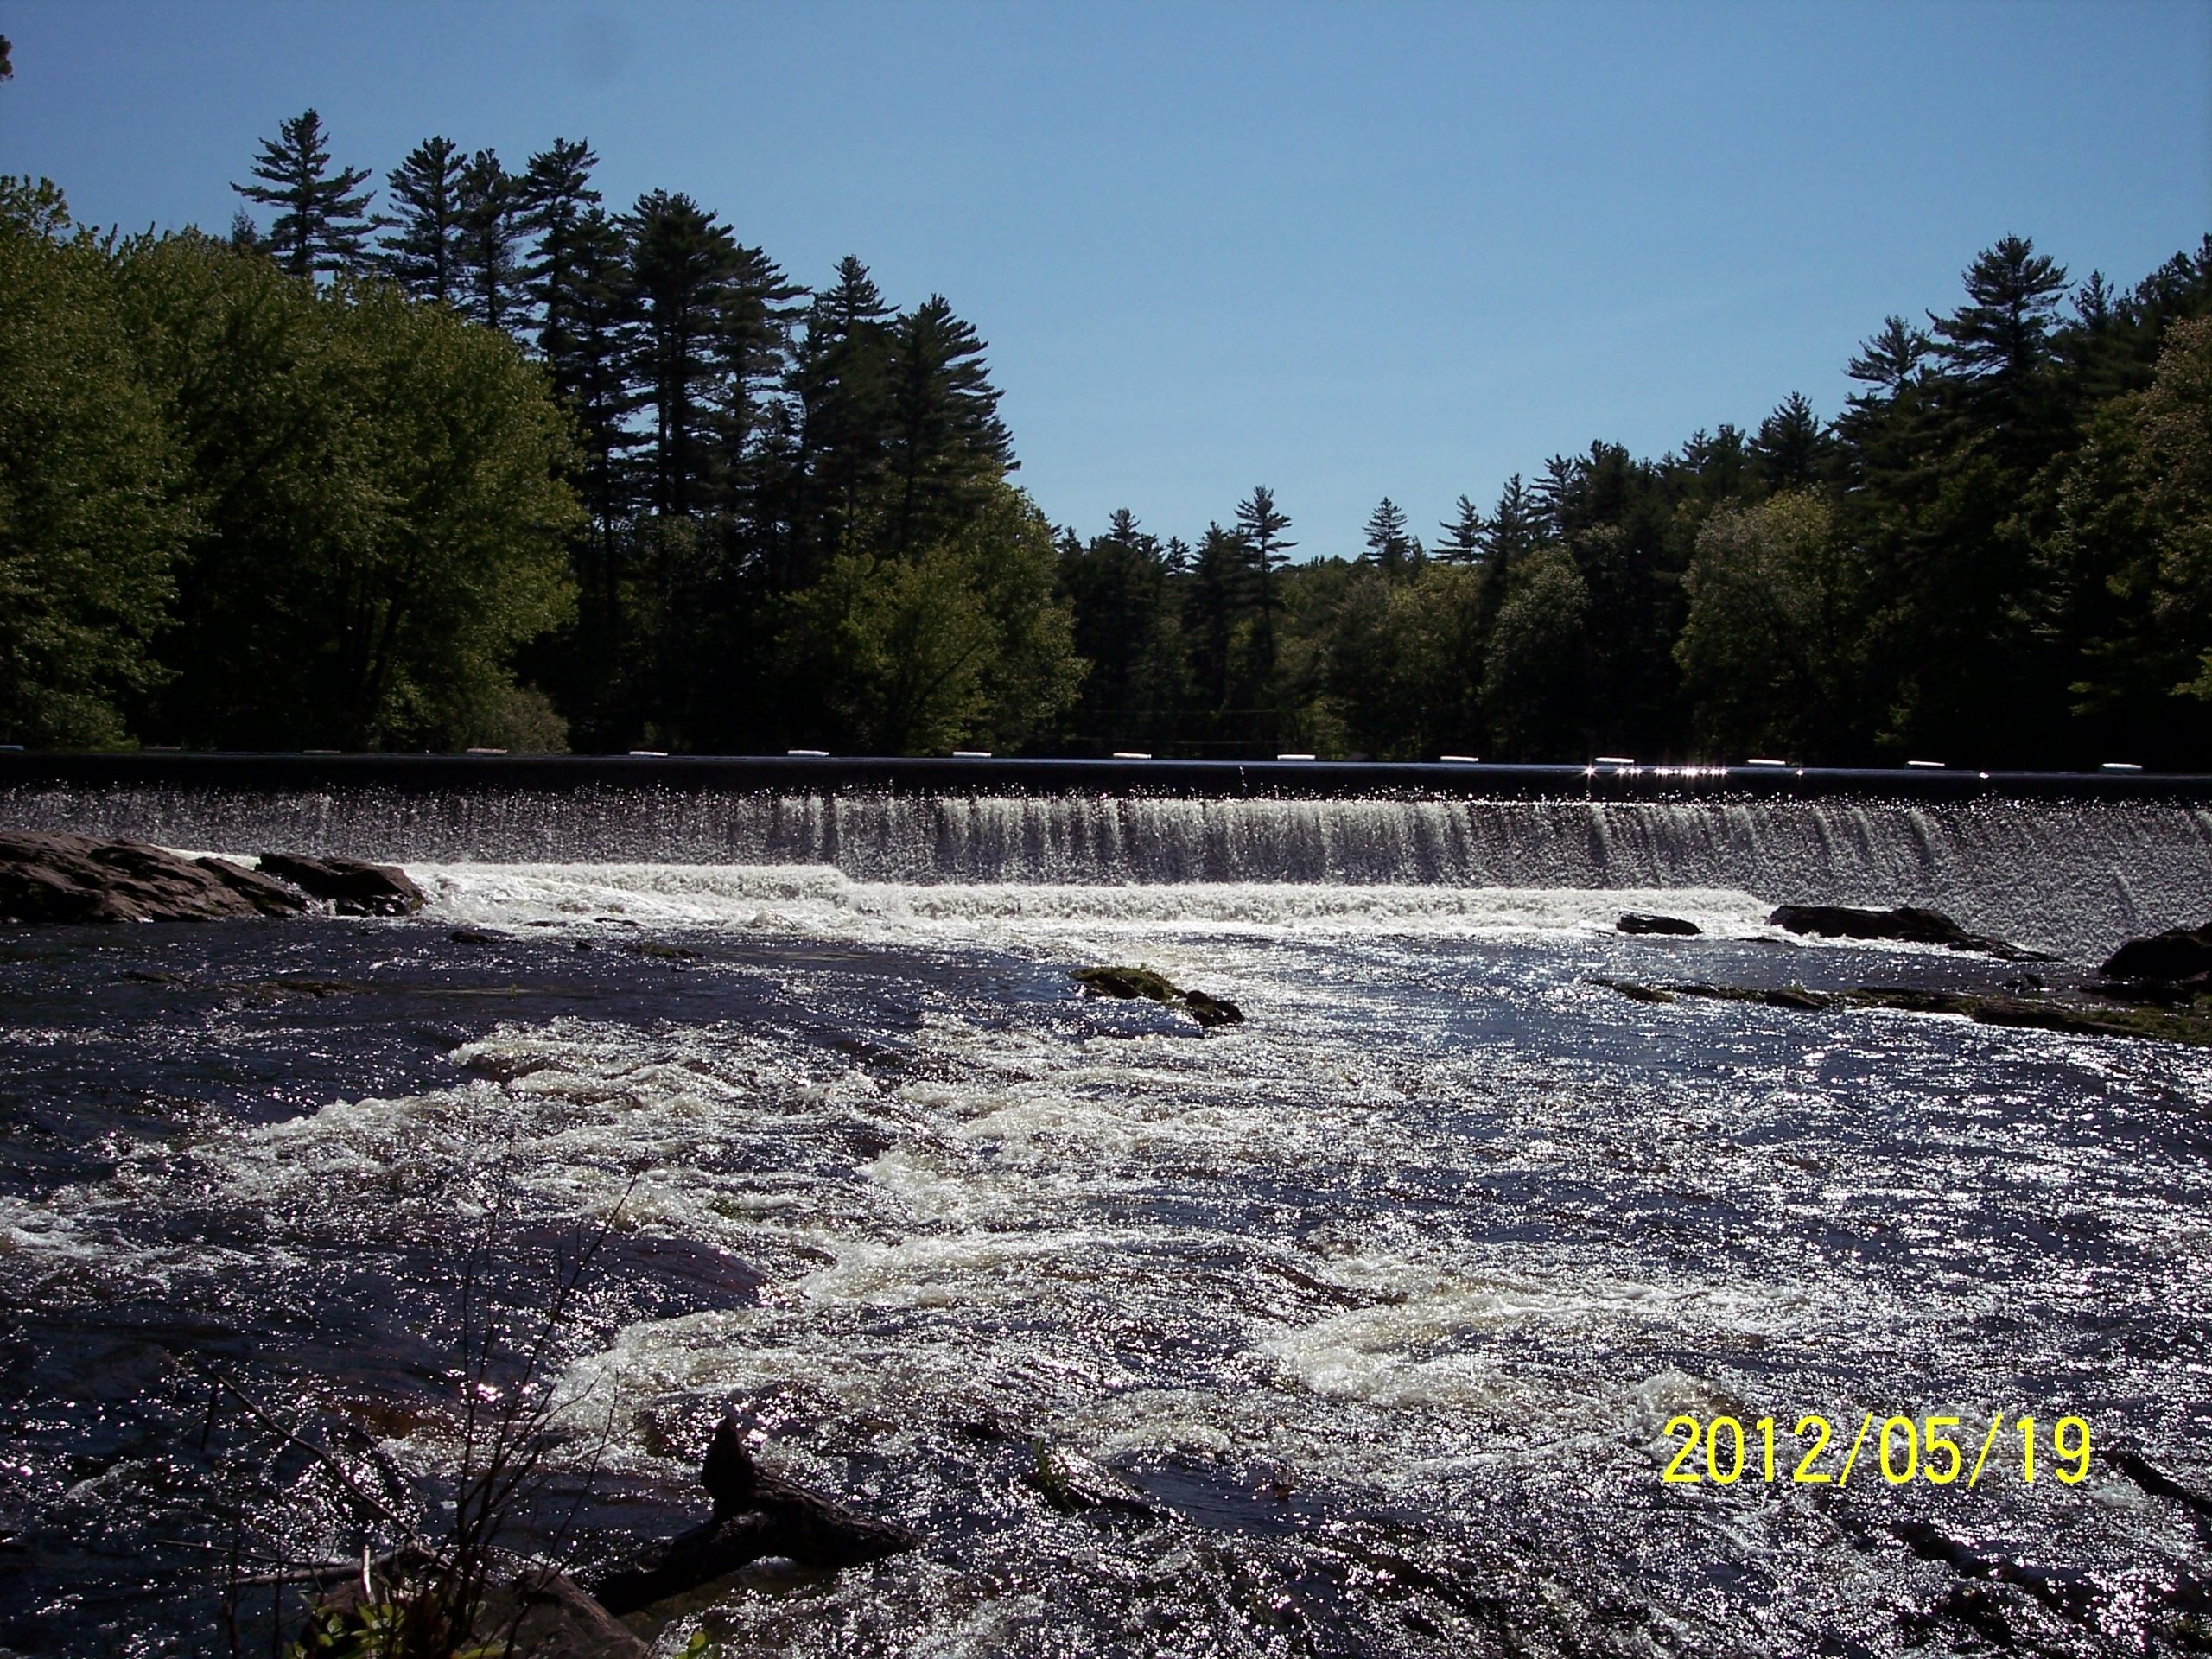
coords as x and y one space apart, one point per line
421 248
1892 360
1464 535
1388 543
1516 528
948 445
1791 444
323 222
2000 335
488 211
840 382
682 261
553 200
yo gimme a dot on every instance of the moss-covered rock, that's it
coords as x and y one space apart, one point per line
1130 984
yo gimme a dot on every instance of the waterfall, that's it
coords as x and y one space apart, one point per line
2076 873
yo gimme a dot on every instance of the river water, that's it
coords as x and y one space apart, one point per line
1355 1329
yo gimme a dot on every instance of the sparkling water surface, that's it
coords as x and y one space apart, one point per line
1365 1318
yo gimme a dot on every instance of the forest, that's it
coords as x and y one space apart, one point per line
492 464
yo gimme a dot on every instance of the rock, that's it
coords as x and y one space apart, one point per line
1907 924
1636 992
61 878
757 1515
1635 921
1132 983
355 888
2179 954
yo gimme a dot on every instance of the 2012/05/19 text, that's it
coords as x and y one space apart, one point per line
1906 1449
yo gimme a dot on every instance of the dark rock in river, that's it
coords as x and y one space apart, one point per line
1131 982
757 1515
1634 921
1907 924
2179 954
58 878
355 888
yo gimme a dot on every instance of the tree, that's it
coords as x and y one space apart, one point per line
1466 535
682 261
323 222
1534 690
2133 558
379 519
1792 446
1388 545
840 382
1260 527
487 212
555 200
948 447
1765 650
961 641
1117 587
1999 344
92 521
423 246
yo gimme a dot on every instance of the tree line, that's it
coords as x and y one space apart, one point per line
2000 553
499 464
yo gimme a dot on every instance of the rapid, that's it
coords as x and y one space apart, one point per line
1354 1329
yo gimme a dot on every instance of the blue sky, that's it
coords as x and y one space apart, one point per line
1347 251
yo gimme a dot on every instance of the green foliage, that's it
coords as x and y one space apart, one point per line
1534 675
962 643
1764 652
91 521
379 522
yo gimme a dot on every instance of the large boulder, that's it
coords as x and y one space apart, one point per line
63 878
355 888
2179 954
1906 924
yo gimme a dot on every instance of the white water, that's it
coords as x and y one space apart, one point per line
2070 876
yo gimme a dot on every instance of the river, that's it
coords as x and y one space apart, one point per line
1366 1317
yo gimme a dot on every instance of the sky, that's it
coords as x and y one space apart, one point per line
1345 250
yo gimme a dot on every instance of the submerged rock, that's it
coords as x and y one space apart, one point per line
757 1515
1906 924
1132 983
1634 921
2079 1016
354 888
62 878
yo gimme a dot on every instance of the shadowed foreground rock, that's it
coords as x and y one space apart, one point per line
2180 956
757 1515
61 879
1132 983
1906 924
537 1614
355 888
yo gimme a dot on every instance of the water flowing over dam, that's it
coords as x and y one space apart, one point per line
1364 1326
2068 863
